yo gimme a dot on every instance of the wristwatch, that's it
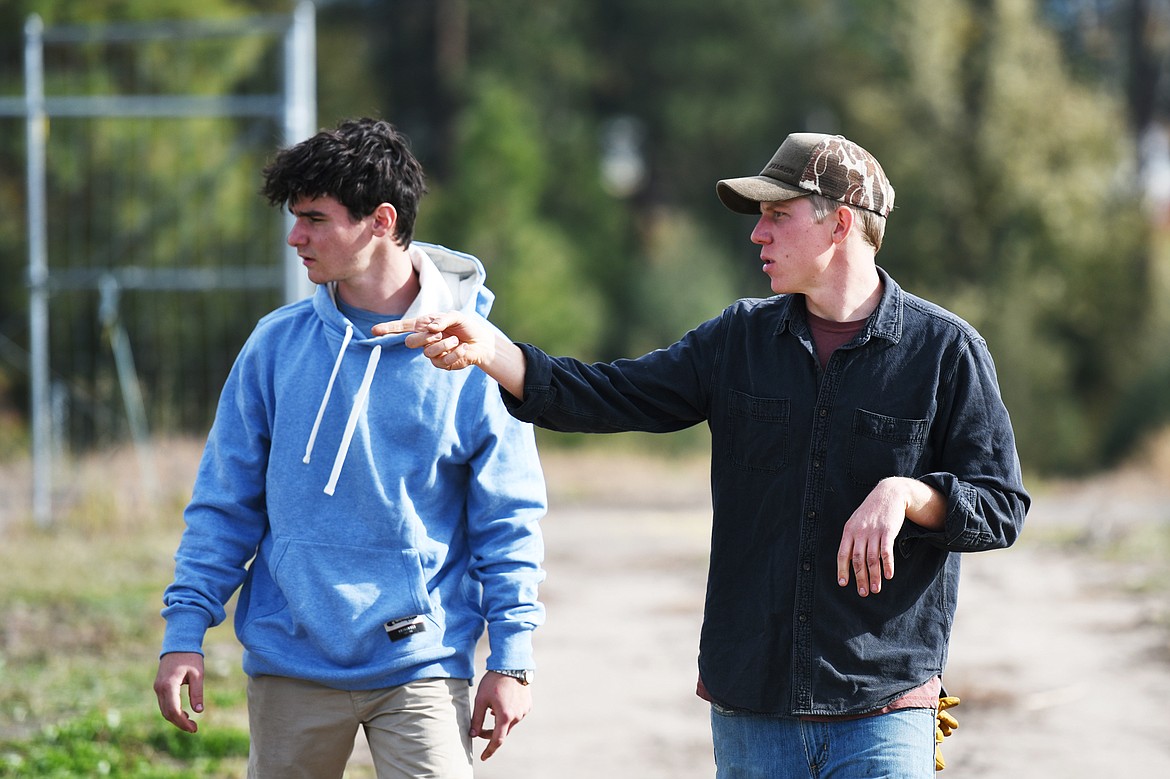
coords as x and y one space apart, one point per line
524 677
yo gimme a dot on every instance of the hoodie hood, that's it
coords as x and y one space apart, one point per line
448 280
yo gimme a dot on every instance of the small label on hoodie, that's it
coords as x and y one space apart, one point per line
399 629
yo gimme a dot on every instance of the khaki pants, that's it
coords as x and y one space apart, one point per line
302 730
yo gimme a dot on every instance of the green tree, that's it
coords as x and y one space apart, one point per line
1007 168
1013 210
1011 167
531 262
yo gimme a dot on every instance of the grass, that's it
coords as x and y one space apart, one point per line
80 631
80 626
96 744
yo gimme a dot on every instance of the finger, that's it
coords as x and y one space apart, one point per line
195 692
861 573
499 733
844 560
396 326
873 565
477 717
438 346
419 340
172 711
485 733
456 358
874 569
181 721
888 560
186 723
419 325
170 704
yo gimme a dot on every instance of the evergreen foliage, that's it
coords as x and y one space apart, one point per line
1014 159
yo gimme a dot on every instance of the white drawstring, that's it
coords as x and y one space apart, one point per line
328 391
359 407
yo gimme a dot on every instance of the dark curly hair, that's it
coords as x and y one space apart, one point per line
362 163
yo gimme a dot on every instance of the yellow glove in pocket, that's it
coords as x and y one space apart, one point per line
945 724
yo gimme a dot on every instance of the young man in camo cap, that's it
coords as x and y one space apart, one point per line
859 446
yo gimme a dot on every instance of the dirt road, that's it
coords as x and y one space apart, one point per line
1061 650
1061 653
1064 669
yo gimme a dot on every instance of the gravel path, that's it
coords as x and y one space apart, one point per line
1061 660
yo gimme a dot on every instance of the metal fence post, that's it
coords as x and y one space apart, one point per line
300 118
36 123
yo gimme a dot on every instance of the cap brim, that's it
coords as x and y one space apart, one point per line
744 195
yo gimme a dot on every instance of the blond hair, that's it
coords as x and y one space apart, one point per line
873 226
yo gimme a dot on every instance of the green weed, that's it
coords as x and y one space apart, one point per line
104 744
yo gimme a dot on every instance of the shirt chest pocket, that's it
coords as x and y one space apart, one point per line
882 446
759 429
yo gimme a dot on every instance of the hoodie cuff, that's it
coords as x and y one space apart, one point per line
184 632
511 648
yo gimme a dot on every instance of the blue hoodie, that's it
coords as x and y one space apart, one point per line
365 487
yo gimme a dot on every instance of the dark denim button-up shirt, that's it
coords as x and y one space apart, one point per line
795 450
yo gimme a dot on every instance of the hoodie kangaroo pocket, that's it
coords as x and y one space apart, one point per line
340 597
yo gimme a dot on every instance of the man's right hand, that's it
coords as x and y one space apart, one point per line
176 669
451 341
454 341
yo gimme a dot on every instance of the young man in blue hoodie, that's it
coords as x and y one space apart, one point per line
371 543
859 447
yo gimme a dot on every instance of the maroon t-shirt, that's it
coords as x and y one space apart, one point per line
829 335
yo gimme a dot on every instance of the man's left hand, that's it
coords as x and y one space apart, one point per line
867 542
509 702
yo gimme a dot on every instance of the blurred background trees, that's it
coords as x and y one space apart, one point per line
574 147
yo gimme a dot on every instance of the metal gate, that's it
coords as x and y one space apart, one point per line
143 243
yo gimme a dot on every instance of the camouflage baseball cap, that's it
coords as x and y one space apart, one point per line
813 163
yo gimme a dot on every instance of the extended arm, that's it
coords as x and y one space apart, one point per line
662 391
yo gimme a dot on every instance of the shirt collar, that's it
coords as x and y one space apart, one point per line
885 322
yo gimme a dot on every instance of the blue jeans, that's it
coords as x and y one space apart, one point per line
898 745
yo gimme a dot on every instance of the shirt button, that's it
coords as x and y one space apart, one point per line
816 463
824 411
807 566
812 515
803 618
